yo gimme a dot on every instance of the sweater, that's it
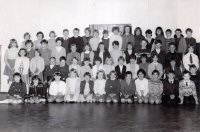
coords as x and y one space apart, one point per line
51 44
155 66
45 54
64 72
120 72
99 86
48 72
112 86
17 89
155 87
128 89
187 89
38 91
83 87
37 65
142 85
57 87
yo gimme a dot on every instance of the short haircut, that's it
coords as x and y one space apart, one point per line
101 71
25 34
73 45
62 58
65 30
44 41
12 41
143 56
88 29
186 72
23 50
76 29
96 31
115 43
98 59
141 71
59 39
133 57
87 74
74 70
192 66
172 43
115 28
16 74
113 72
40 33
179 30
157 41
128 73
155 71
188 30
171 71
148 31
29 42
52 58
37 50
105 32
121 58
144 41
57 74
169 30
53 33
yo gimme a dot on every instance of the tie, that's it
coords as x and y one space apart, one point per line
191 60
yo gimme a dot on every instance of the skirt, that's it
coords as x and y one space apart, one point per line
7 70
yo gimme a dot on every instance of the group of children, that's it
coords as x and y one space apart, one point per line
122 68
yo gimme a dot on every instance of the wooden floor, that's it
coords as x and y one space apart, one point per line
98 118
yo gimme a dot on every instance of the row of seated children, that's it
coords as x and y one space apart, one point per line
153 91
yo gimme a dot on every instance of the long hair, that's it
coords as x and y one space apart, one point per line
130 32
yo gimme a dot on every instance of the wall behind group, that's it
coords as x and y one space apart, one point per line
20 16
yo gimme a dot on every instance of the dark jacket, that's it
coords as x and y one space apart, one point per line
120 75
38 91
48 72
169 88
112 86
17 89
82 87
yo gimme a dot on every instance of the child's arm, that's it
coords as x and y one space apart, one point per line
181 92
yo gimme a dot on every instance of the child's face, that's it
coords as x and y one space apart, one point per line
87 78
52 61
172 48
116 32
28 45
62 62
168 34
148 35
127 29
74 61
112 76
14 44
191 49
39 36
35 82
155 58
105 35
132 61
121 62
57 78
193 70
87 33
22 53
27 37
87 48
178 33
186 76
155 76
140 75
129 47
17 78
128 76
52 35
144 43
158 45
73 48
73 74
116 46
101 47
138 32
170 76
97 62
37 54
86 63
100 75
158 32
58 43
76 33
189 34
143 60
65 34
44 46
109 61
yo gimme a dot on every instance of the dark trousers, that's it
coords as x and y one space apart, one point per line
189 100
168 101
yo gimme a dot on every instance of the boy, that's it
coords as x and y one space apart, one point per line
190 40
170 89
168 39
77 40
87 36
115 53
65 43
73 54
45 52
63 68
187 90
120 68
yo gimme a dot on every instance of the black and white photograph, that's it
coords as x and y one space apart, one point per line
99 65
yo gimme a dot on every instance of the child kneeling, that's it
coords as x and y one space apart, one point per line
57 89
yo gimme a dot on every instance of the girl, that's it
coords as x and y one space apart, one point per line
95 40
98 66
116 52
115 37
138 37
105 39
29 49
87 36
108 66
150 40
127 37
87 67
57 89
45 52
101 52
59 50
17 90
86 89
37 65
155 88
168 39
128 88
37 91
87 53
142 89
99 87
129 52
112 88
22 65
63 68
155 65
187 90
144 64
133 67
75 65
27 36
180 42
160 36
37 44
73 86
52 41
10 58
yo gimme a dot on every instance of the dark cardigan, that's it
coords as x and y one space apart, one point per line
82 87
17 89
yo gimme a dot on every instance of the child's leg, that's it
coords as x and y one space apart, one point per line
89 98
59 99
130 99
51 99
151 99
108 99
146 99
140 99
6 101
115 99
81 99
123 100
102 98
